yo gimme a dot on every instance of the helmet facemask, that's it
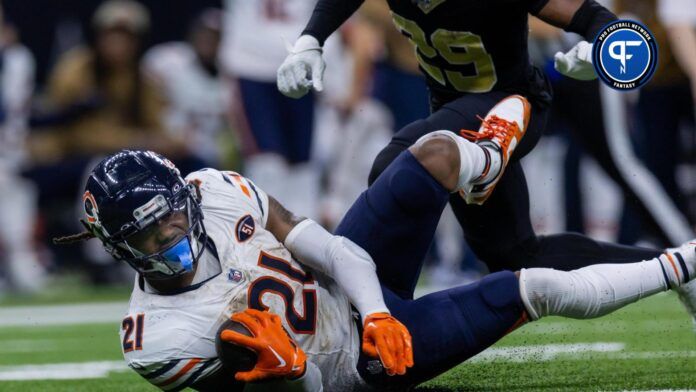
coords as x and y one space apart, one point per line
176 259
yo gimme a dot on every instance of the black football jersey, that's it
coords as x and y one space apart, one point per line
470 46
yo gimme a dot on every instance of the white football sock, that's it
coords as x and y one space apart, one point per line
678 269
591 291
496 162
473 159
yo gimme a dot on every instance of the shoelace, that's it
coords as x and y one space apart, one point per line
493 128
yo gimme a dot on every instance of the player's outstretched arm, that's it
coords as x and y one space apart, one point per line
303 69
584 17
354 271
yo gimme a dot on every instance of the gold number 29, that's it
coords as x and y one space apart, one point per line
444 42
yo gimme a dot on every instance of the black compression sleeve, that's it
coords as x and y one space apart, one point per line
589 20
328 16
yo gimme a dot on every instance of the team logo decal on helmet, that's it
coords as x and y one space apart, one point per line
91 209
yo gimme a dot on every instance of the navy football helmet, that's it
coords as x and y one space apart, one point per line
130 191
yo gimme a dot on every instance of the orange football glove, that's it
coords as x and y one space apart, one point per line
385 337
278 355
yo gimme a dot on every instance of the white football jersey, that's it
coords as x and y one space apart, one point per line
16 87
170 339
197 102
255 32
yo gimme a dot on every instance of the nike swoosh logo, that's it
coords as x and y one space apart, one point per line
280 359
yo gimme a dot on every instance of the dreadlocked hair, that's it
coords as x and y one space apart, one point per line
71 239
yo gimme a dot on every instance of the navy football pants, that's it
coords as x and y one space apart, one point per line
394 221
278 124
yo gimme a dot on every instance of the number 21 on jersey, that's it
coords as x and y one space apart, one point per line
133 332
304 323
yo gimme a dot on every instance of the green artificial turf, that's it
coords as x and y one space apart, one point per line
647 346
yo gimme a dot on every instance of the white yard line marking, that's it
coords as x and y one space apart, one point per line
28 345
62 371
573 352
102 312
543 352
565 327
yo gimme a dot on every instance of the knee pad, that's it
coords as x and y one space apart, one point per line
383 160
409 186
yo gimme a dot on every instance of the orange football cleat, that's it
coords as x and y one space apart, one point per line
278 355
501 131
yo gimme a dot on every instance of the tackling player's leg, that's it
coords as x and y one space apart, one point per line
500 231
394 220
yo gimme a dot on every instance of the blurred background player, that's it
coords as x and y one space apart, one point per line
663 125
98 101
351 126
196 98
671 108
276 131
675 103
397 81
19 261
651 200
679 18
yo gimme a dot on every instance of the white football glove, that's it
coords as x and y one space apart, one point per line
302 69
577 63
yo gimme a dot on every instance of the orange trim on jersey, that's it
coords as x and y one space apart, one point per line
181 372
238 179
674 266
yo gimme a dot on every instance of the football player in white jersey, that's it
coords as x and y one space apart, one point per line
214 246
187 75
276 132
18 207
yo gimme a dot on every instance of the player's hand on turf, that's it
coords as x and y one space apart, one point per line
577 62
278 355
303 69
389 340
